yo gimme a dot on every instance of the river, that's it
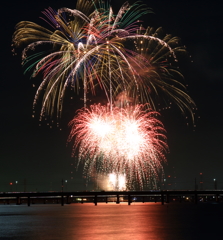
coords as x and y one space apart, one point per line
140 221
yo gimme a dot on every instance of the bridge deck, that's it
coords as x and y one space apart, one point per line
95 197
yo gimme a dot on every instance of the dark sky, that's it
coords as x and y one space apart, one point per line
39 157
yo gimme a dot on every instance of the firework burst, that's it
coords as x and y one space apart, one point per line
93 48
128 141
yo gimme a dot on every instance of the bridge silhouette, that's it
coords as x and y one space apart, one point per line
163 196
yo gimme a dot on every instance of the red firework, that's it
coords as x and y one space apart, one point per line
128 141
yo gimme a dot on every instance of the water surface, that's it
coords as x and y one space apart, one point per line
140 221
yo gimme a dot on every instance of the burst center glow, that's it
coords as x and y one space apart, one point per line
117 181
117 135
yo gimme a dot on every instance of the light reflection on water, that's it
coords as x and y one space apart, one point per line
140 221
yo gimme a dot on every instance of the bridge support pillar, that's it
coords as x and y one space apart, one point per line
155 199
68 199
216 197
62 200
18 201
118 201
129 199
167 198
95 200
162 198
28 201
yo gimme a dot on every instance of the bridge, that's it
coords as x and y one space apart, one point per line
111 196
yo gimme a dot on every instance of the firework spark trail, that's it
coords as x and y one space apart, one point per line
96 41
128 141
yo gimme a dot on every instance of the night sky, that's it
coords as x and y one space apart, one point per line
38 158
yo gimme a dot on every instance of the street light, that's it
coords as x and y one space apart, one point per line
164 183
65 185
215 183
16 182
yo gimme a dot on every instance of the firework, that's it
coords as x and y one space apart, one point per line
128 141
92 48
111 182
118 182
